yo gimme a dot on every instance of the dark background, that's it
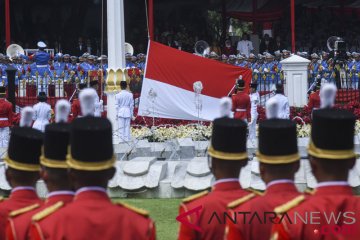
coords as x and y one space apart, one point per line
61 22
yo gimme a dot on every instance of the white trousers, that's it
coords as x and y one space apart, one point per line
4 137
252 129
124 129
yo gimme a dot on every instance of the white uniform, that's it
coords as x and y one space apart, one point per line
99 108
245 47
254 99
42 115
284 108
124 102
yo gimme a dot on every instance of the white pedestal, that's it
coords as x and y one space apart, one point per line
296 76
116 55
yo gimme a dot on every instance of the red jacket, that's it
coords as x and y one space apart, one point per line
274 196
18 226
6 113
18 199
327 201
314 100
241 106
214 202
92 215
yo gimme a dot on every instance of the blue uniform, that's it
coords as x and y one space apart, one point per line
59 68
354 74
141 65
3 80
19 73
130 64
41 58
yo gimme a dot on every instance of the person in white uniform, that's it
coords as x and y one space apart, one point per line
62 111
245 46
283 102
327 95
254 100
99 104
26 117
272 108
124 102
42 113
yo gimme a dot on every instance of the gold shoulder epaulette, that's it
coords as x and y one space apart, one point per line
23 210
135 209
1 198
255 191
309 191
195 196
47 211
239 201
289 205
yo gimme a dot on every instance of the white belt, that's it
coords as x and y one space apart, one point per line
240 110
4 119
41 65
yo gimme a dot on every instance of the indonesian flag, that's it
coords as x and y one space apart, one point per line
168 89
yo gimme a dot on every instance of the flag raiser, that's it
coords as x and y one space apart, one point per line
171 73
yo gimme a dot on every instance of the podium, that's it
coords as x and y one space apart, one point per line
296 80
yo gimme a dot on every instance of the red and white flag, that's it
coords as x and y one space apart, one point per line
168 85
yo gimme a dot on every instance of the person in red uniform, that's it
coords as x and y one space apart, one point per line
92 215
314 98
22 172
227 155
279 161
54 173
75 106
6 118
332 156
241 102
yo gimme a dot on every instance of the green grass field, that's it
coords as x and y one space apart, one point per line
162 211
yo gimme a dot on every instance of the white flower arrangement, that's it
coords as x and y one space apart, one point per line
165 133
198 132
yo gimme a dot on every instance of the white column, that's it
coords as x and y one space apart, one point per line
296 76
116 55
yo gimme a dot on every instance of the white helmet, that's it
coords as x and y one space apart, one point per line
27 115
87 99
62 111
